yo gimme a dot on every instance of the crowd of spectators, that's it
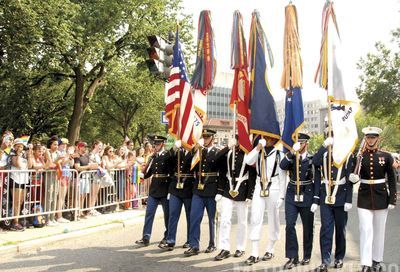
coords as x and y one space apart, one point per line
41 178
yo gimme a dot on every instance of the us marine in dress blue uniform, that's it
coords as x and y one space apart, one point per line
159 168
296 204
376 195
333 207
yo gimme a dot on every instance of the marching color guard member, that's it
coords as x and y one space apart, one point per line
335 200
158 168
180 193
298 200
269 194
204 191
235 189
376 195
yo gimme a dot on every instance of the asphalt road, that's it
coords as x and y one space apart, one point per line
115 251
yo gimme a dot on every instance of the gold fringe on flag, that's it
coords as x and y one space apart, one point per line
292 75
321 74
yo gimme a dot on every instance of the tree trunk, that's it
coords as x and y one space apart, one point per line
74 126
82 99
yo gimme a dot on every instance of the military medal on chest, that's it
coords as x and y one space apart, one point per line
381 161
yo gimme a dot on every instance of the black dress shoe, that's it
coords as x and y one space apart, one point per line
252 260
238 253
143 242
322 268
305 261
168 246
376 266
191 252
222 255
186 245
163 243
267 256
210 249
338 264
365 268
292 262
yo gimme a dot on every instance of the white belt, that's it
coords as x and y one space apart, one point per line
340 182
372 181
238 179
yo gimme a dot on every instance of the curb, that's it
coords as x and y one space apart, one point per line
36 245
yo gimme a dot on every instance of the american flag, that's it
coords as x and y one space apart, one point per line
179 101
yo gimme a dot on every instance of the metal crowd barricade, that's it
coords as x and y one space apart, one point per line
31 194
51 194
109 190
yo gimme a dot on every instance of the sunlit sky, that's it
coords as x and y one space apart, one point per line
361 25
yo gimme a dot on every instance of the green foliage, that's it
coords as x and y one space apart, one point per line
130 102
390 135
56 54
315 143
380 82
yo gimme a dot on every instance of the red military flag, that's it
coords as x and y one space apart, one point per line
241 88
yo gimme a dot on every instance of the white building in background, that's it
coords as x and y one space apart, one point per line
315 112
219 115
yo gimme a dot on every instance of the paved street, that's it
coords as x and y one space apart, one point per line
115 251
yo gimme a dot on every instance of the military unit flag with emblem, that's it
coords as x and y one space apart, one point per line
264 120
292 80
343 102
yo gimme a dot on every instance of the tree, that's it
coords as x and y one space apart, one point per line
315 143
77 40
390 134
130 103
380 82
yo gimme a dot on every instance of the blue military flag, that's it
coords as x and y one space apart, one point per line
292 79
264 120
294 117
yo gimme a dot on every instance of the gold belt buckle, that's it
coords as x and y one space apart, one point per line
200 186
264 193
179 185
370 181
330 200
233 193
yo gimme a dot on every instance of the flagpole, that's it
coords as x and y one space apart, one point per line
297 168
179 185
329 153
234 137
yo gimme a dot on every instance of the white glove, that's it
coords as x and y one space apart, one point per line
248 201
279 203
391 207
232 143
347 207
218 197
354 178
262 142
178 144
328 142
314 208
201 142
296 147
168 196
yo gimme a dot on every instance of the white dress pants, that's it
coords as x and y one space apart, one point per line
226 207
258 206
372 235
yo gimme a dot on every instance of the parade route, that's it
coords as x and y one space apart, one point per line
112 248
